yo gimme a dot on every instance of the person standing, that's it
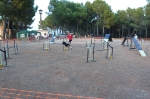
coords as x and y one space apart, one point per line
135 36
69 36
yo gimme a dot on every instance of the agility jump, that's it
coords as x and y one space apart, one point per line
90 53
3 56
15 46
46 45
107 46
107 38
109 54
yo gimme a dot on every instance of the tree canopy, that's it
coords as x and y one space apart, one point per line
77 17
17 11
82 18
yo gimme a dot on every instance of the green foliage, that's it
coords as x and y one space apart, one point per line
103 10
76 15
66 13
18 10
148 1
48 22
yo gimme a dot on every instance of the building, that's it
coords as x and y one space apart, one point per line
11 28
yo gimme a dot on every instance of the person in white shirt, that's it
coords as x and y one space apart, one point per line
135 36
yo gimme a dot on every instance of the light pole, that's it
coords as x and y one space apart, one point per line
40 12
7 33
95 18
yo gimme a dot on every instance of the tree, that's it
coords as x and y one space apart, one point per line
146 21
78 17
90 15
17 11
138 19
148 1
72 14
48 22
122 17
104 12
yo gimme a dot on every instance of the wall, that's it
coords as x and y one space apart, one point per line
1 30
43 32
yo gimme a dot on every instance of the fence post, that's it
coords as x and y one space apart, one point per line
109 54
93 53
87 55
5 58
1 60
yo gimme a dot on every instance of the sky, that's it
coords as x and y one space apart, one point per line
115 5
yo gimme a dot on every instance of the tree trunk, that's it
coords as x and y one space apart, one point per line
97 29
8 34
87 30
129 31
4 28
140 33
112 33
94 29
122 30
103 30
146 31
132 33
77 29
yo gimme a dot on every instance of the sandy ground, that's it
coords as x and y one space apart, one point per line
125 76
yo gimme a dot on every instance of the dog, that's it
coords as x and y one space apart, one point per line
66 45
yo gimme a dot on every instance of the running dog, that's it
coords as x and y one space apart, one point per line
66 45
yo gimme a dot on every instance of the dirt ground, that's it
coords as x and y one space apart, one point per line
65 74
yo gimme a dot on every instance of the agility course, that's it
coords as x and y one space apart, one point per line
8 47
5 49
134 44
62 73
90 46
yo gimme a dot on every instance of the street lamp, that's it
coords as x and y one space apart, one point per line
40 12
95 18
48 13
7 33
9 1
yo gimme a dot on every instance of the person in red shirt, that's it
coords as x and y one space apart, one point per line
69 36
